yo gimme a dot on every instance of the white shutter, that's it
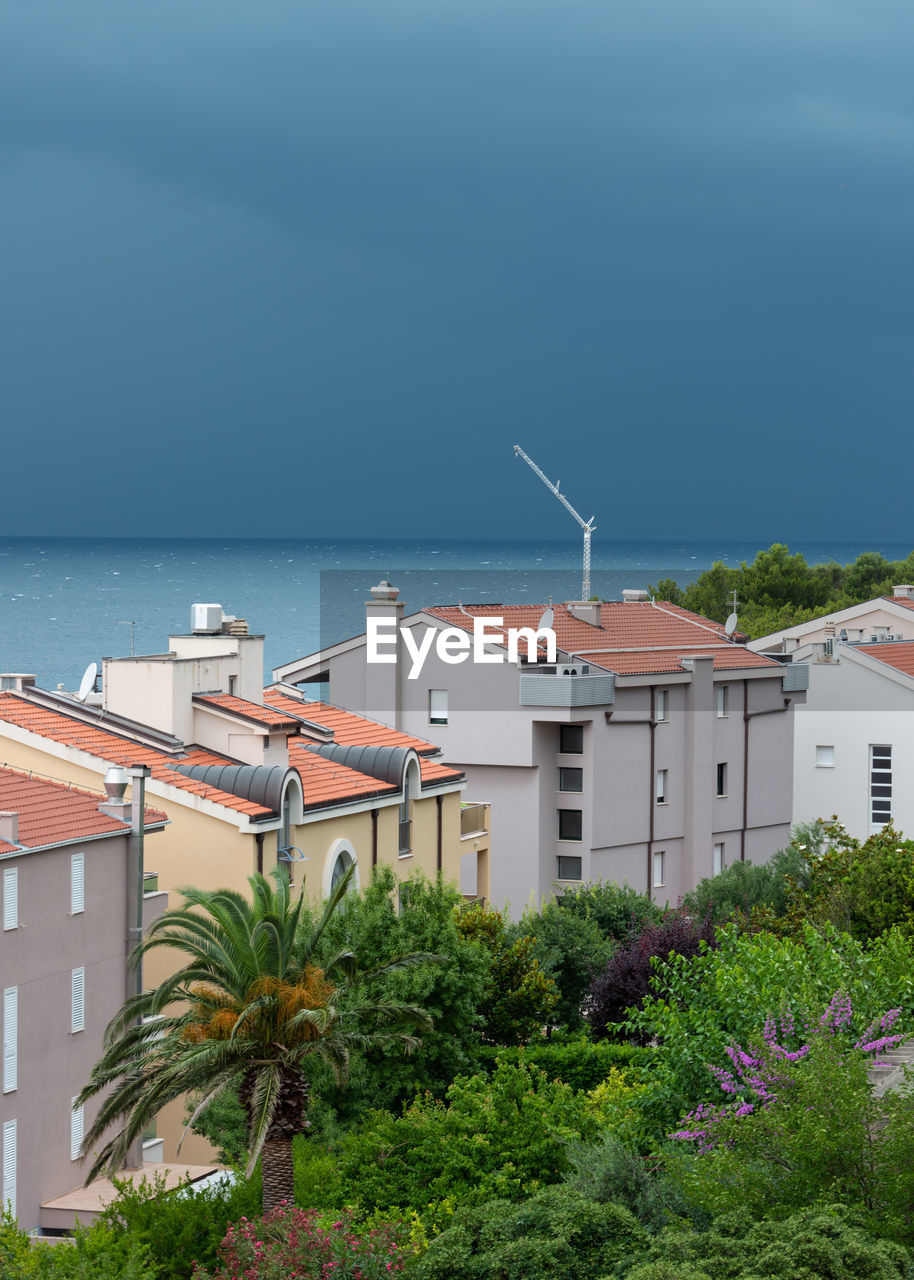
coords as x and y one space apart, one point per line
77 883
437 706
78 1000
77 1128
9 1165
11 897
10 1038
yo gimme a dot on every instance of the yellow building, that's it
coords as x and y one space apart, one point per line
250 777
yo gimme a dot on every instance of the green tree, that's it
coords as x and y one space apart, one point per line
518 997
570 948
249 1001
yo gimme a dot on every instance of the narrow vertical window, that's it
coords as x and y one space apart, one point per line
233 684
78 1000
405 825
77 1129
880 786
658 869
661 786
722 779
9 1166
718 859
723 700
77 883
10 1039
660 704
437 706
11 898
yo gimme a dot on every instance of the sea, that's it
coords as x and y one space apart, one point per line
68 602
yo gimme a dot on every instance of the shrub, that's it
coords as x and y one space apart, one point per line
557 1233
577 1060
626 979
499 1137
825 1242
609 1171
179 1227
745 892
518 997
295 1242
617 910
570 948
95 1253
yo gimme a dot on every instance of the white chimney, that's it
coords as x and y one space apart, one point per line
632 595
585 611
9 826
903 591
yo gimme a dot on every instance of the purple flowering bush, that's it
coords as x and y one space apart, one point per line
799 1125
302 1244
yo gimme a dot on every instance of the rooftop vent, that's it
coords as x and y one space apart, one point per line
385 591
632 595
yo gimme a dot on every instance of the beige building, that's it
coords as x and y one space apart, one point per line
249 777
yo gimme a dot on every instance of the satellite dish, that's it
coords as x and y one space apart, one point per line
87 684
730 624
547 619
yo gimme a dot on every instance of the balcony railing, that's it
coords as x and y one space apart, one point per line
542 690
151 882
472 819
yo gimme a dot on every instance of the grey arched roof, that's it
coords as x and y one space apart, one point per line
261 783
384 763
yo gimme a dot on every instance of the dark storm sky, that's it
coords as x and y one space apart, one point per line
312 268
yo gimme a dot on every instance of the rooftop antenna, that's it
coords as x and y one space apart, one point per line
587 525
131 623
731 623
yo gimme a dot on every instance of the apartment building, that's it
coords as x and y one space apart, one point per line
69 867
885 618
653 750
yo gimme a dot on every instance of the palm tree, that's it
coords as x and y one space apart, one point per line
252 1002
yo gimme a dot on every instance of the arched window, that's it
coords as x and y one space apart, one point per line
340 857
343 862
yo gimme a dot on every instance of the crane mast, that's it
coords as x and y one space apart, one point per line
587 525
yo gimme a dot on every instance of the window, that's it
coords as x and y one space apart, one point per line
233 685
825 757
661 786
402 898
10 1039
11 897
721 779
723 700
571 739
406 825
344 861
77 1128
719 858
437 706
660 704
9 1166
77 883
571 824
569 868
658 861
78 1000
571 779
880 786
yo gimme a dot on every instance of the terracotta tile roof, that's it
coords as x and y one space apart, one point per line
902 600
267 716
352 730
53 813
5 847
900 655
642 637
349 729
113 749
326 782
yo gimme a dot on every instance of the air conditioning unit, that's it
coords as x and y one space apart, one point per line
206 617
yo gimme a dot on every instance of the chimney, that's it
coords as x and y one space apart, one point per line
115 784
585 611
382 679
903 591
635 595
16 680
9 826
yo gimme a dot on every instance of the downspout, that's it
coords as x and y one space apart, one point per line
440 800
374 837
652 725
137 773
258 840
747 716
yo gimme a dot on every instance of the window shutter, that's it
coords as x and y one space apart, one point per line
11 897
10 1038
77 883
78 1000
77 1128
9 1165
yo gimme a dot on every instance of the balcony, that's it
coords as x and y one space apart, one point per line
545 689
473 820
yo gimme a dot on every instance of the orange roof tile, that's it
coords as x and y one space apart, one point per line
326 782
53 813
902 600
900 655
633 638
267 716
112 748
349 729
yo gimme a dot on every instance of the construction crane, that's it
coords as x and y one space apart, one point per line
587 525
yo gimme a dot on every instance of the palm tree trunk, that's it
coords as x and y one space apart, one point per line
278 1173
